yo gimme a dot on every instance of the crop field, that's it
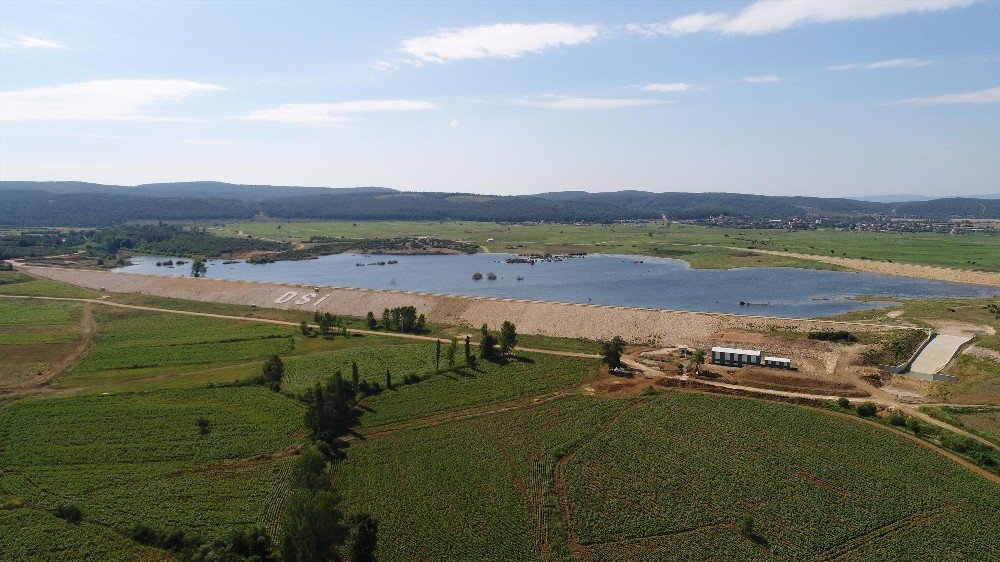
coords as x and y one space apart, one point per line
973 251
665 478
141 458
33 336
133 344
709 462
472 490
497 461
532 375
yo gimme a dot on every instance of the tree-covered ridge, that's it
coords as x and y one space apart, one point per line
92 207
172 240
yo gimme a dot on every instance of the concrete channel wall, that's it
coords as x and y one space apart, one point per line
532 317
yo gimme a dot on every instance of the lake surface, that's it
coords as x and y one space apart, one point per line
599 279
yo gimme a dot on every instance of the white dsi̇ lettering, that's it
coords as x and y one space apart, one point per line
305 298
285 297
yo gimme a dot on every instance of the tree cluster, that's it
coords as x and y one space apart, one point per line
400 319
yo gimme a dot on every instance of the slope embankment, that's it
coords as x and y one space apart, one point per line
892 268
531 317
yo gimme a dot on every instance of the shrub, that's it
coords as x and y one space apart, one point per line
477 276
868 409
204 426
837 336
844 403
69 512
897 419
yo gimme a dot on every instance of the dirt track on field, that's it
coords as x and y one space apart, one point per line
891 268
532 317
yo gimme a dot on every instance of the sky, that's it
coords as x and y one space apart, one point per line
828 98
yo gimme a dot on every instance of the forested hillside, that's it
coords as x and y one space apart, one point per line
83 204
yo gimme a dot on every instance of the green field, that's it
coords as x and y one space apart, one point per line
665 478
16 283
974 251
135 344
506 460
129 458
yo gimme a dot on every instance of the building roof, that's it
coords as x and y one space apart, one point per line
781 359
736 351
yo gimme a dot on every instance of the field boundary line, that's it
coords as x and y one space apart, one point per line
468 413
578 549
852 544
292 324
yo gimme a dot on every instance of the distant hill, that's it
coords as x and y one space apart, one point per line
900 198
196 189
688 206
907 198
87 204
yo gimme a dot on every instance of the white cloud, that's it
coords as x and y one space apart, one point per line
384 66
989 95
503 40
893 63
211 142
590 103
770 16
453 124
670 87
35 43
766 79
327 114
680 26
97 100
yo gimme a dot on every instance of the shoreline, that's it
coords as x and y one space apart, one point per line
575 320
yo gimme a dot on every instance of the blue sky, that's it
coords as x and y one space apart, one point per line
832 98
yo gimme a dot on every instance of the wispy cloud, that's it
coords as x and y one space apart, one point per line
453 124
332 114
198 141
989 95
98 100
892 63
669 87
28 42
502 40
771 16
568 103
766 79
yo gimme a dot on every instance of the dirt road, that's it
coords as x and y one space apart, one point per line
282 323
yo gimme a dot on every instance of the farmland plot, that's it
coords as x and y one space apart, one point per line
33 336
141 458
469 490
675 479
132 344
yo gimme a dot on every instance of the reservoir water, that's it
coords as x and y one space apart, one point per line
637 281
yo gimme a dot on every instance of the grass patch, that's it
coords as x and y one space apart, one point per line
984 422
133 344
972 251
